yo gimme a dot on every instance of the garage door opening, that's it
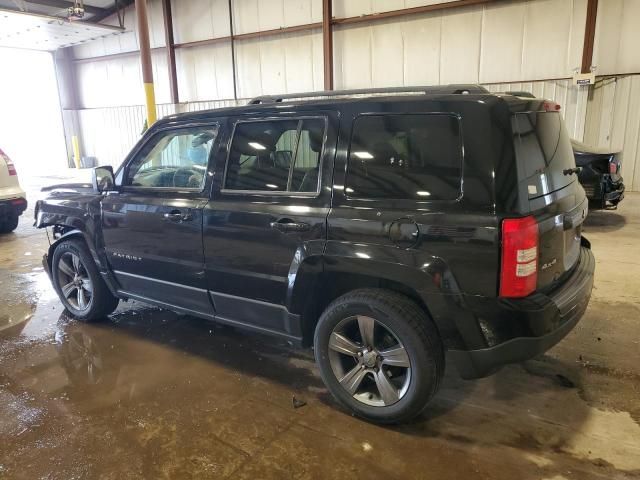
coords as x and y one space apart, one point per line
31 131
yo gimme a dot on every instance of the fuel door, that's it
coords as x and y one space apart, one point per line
404 232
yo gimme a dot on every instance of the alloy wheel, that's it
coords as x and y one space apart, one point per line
369 361
74 281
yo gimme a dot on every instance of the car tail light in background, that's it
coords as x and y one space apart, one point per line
550 106
613 167
10 166
519 265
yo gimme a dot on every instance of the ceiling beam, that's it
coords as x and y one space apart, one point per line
438 7
119 5
66 4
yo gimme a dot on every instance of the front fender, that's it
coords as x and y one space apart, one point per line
76 213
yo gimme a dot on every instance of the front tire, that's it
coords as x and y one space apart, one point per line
79 285
379 355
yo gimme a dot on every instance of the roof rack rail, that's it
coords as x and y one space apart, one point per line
434 90
519 93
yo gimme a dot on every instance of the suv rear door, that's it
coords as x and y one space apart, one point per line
267 214
549 189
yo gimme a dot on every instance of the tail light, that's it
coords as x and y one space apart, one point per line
550 106
519 266
10 166
613 167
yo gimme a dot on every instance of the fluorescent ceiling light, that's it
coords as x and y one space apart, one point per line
271 185
363 155
424 194
363 255
257 146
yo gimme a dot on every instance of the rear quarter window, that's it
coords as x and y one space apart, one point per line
405 156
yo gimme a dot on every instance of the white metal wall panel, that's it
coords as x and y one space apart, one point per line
108 134
352 57
257 15
421 53
572 99
507 41
195 20
548 38
617 37
279 64
118 81
205 72
502 42
613 121
460 54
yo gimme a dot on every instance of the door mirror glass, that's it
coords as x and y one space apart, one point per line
103 180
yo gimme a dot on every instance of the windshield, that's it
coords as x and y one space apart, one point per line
543 151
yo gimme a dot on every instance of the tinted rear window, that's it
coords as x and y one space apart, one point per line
543 151
412 156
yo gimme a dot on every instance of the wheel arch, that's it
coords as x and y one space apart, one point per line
75 234
318 283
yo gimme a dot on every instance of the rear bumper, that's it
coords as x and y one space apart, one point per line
14 205
616 195
560 309
604 190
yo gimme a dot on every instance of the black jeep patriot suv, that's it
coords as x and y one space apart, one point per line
389 229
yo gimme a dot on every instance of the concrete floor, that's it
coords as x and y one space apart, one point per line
151 394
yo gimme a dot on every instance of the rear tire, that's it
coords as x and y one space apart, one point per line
379 354
78 283
9 223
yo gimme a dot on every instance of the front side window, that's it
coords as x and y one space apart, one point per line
406 156
173 159
276 156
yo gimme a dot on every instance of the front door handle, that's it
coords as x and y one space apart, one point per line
178 216
285 225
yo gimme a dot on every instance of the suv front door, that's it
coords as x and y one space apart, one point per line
152 225
268 216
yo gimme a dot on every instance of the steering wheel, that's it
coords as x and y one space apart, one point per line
182 177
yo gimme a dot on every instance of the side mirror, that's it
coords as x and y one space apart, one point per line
103 180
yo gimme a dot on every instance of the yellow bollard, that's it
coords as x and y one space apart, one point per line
75 142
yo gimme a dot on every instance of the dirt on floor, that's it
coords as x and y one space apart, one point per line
153 394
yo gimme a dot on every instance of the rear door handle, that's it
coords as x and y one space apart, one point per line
287 225
178 216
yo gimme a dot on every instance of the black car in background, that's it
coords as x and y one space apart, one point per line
599 175
394 230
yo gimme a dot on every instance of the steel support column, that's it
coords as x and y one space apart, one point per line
171 52
145 60
589 36
233 52
327 43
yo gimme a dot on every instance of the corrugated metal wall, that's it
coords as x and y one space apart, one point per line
613 120
110 133
502 42
509 45
572 98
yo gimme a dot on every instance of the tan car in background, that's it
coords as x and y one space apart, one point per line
13 200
